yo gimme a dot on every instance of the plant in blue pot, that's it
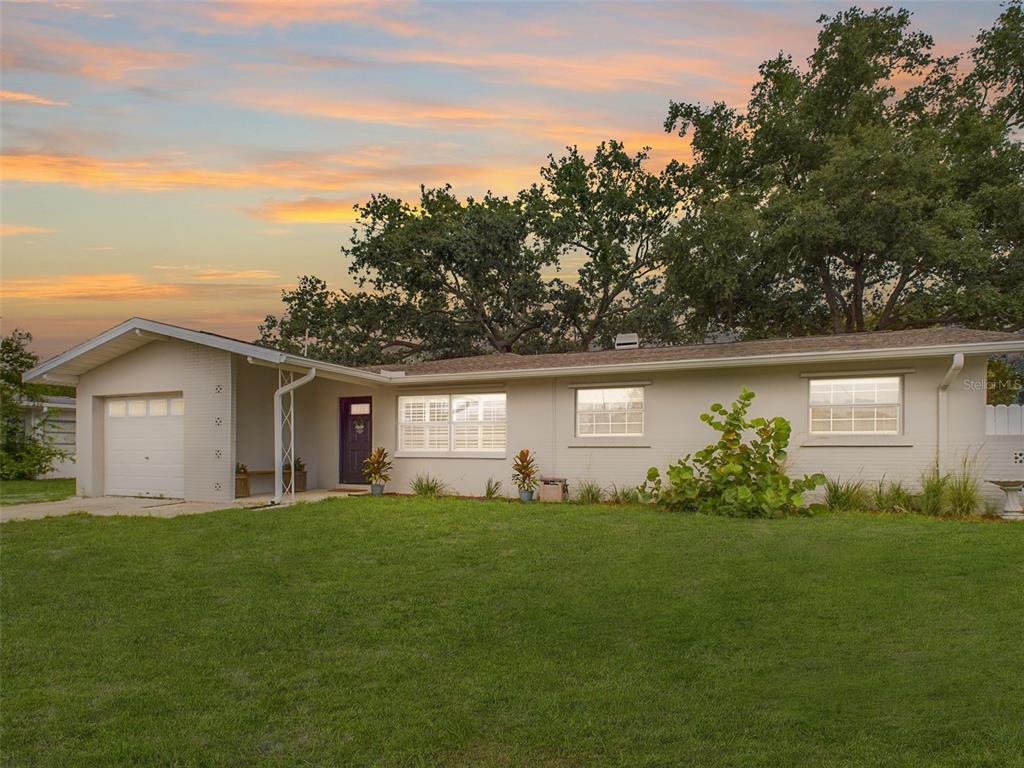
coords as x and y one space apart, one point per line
524 474
377 470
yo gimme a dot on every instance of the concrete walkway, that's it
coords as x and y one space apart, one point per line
109 506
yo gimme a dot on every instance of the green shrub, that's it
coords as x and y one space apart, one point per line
25 453
849 496
28 458
429 486
589 492
950 494
963 492
626 494
735 477
892 497
934 488
493 489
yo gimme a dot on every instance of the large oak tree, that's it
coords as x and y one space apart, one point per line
837 202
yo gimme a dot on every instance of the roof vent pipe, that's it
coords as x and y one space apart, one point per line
627 341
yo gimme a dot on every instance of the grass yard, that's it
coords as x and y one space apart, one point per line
30 491
402 632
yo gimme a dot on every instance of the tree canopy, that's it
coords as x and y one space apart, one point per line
840 201
25 450
875 186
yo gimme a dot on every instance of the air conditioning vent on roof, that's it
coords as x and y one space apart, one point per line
627 341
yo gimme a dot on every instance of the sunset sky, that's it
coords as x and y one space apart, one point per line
185 161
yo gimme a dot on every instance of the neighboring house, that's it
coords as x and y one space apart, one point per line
54 417
167 411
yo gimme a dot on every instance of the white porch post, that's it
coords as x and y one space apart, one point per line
281 453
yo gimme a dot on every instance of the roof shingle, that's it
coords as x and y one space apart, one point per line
850 342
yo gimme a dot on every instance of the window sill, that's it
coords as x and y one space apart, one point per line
862 441
612 442
502 455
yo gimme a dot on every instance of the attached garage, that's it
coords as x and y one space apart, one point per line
145 446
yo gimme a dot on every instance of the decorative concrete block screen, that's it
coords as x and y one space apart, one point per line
1004 420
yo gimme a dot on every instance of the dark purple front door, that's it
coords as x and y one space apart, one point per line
356 437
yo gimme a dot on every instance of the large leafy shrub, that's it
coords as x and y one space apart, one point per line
740 475
25 449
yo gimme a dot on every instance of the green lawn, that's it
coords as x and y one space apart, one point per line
29 491
399 632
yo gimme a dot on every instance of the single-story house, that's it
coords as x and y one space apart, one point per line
169 411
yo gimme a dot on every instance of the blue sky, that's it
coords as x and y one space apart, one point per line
187 161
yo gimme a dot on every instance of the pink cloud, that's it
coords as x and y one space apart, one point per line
252 13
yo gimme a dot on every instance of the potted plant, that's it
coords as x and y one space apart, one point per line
300 474
241 480
377 470
524 474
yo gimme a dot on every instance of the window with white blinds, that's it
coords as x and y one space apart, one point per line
610 412
852 406
452 423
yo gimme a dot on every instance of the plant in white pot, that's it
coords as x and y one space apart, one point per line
377 470
524 474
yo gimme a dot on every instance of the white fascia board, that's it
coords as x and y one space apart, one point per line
151 329
334 370
790 358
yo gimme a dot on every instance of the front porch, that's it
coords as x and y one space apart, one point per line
318 424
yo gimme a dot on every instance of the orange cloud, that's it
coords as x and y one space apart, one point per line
123 286
323 172
113 285
212 273
80 57
9 230
250 13
408 113
311 210
663 146
156 174
185 272
605 71
30 98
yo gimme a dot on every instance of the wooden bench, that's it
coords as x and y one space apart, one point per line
242 486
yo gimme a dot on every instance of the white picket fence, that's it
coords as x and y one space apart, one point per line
1004 420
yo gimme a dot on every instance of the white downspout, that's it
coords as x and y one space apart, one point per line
279 437
942 431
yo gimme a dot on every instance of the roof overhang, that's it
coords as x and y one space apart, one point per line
792 358
132 334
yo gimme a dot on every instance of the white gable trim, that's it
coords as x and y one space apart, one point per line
151 330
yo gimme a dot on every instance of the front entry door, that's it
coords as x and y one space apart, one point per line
356 435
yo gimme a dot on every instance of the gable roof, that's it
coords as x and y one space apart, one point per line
138 331
922 342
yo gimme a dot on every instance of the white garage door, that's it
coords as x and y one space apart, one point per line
145 446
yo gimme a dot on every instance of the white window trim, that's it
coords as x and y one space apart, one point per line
450 452
832 435
629 438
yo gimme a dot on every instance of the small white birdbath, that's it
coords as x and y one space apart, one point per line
1012 510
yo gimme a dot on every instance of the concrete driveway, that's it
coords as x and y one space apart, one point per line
109 506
